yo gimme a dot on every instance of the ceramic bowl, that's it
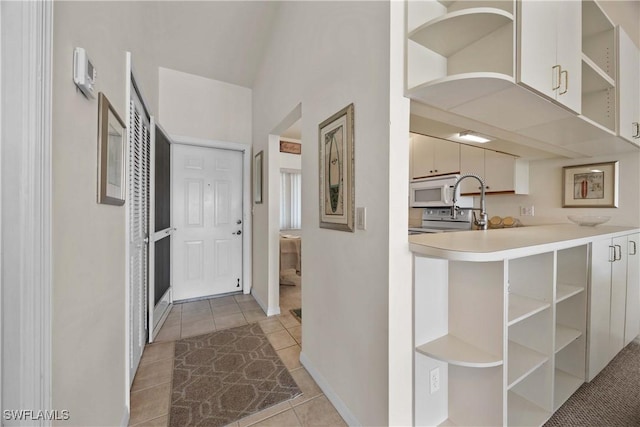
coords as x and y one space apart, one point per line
589 220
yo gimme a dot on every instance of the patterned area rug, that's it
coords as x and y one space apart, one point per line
612 398
221 377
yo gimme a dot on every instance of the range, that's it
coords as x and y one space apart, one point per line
439 220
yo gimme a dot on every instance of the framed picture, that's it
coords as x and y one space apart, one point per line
337 186
590 186
290 147
111 149
257 178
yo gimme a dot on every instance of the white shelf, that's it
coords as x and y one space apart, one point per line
521 362
594 20
453 350
447 423
521 307
522 412
594 79
564 291
449 33
565 336
565 385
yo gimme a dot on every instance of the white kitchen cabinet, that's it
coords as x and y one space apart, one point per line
632 318
628 88
432 156
608 314
549 51
502 173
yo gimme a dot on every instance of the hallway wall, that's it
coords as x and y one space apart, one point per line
89 356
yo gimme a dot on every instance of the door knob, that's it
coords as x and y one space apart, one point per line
237 233
239 222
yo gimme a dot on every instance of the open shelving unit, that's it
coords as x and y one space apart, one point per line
458 51
598 66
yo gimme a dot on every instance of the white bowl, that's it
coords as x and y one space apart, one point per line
589 220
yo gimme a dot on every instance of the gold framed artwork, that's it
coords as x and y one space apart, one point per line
337 185
257 177
593 185
111 154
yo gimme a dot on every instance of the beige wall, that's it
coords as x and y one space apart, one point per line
89 238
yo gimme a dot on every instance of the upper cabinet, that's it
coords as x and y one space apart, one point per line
552 74
502 173
628 89
432 157
549 51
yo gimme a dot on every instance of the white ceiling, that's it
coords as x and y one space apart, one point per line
221 40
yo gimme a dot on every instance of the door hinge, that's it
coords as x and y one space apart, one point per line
238 285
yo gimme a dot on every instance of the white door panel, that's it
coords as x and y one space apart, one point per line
207 184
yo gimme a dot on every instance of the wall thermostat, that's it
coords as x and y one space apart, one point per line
84 75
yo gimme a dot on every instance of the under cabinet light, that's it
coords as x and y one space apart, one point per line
468 135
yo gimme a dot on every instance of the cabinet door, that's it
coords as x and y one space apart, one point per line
628 88
537 46
618 295
499 170
446 157
422 156
599 306
569 53
632 321
471 161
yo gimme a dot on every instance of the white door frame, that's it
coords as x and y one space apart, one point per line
247 214
26 85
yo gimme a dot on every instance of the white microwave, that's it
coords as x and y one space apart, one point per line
436 192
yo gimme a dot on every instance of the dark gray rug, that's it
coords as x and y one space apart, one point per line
227 375
611 399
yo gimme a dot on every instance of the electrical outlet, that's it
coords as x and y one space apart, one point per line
434 380
527 211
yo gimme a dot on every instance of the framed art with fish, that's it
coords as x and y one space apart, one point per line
337 186
590 186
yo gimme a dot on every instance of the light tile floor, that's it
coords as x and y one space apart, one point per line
151 390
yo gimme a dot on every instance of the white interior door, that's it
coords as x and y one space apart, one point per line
139 170
207 211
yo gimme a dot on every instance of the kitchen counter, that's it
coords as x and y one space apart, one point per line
500 244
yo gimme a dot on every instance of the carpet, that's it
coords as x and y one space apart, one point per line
612 398
221 377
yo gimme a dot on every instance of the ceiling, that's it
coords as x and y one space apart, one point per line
221 40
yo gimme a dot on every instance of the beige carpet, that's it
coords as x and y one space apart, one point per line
611 399
227 375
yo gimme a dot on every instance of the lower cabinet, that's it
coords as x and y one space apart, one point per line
614 312
508 347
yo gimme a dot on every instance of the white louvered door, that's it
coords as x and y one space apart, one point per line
139 169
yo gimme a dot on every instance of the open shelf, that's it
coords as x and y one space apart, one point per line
594 79
523 412
521 362
453 350
565 336
565 385
564 291
521 307
450 33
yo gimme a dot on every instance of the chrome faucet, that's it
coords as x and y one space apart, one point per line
483 222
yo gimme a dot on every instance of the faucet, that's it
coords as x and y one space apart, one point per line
483 222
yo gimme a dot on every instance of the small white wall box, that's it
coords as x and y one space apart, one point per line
84 75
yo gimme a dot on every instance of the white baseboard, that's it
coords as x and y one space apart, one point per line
269 311
125 417
340 406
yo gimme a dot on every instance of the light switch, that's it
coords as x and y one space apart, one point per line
361 218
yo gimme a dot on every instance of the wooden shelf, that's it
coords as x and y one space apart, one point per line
565 385
449 33
521 362
522 412
594 79
564 291
453 350
521 307
565 336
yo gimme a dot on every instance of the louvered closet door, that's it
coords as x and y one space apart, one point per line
139 156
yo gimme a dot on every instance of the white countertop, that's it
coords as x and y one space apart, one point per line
496 245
